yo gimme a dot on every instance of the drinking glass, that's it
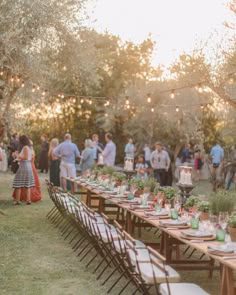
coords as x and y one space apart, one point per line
223 219
220 235
174 214
158 206
194 223
144 200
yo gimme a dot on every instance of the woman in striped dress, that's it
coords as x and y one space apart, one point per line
24 176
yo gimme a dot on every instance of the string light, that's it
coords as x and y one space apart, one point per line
172 94
12 79
62 95
90 101
23 84
44 93
200 88
177 109
17 79
1 73
231 81
128 106
127 100
38 87
149 98
33 89
202 106
81 101
152 109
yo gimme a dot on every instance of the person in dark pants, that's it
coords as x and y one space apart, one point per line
160 162
43 161
169 174
54 163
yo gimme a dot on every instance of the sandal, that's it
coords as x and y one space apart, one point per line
28 203
16 203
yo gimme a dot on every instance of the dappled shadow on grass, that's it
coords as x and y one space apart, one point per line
6 204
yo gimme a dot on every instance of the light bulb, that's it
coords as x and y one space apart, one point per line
33 89
81 100
12 78
172 94
23 84
1 73
200 88
62 95
152 109
177 109
149 98
202 106
127 100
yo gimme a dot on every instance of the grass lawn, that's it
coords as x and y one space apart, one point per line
35 260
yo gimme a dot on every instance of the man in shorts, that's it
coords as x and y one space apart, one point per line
67 151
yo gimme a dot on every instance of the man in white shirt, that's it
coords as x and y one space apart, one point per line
160 162
109 153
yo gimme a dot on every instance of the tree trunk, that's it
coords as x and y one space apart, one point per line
3 120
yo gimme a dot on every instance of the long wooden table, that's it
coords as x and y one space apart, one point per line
227 266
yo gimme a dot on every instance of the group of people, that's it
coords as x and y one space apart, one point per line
60 160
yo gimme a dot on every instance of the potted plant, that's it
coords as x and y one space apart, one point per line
149 185
137 185
203 207
119 177
232 227
222 201
191 202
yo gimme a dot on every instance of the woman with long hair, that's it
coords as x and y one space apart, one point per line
24 177
35 192
54 163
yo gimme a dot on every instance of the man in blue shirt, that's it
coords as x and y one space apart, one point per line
217 156
109 153
68 152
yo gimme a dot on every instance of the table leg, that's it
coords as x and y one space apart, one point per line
101 205
129 222
88 199
227 281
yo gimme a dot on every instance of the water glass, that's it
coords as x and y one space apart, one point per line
130 196
174 214
143 200
220 235
157 207
223 219
194 223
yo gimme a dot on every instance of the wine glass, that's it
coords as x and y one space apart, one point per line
223 219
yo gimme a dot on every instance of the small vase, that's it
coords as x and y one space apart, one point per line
138 193
146 190
204 216
232 232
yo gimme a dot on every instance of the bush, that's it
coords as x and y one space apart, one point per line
222 201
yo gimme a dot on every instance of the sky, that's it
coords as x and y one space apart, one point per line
175 25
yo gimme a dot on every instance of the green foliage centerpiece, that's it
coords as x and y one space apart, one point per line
222 201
